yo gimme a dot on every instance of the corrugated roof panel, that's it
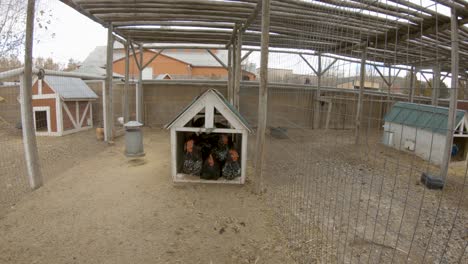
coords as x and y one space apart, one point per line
70 88
412 118
394 112
427 117
433 118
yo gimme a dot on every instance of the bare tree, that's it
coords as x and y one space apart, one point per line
12 23
12 26
48 64
72 65
9 62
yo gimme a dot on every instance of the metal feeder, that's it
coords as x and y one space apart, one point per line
134 139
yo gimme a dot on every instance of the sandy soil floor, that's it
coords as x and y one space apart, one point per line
56 154
111 209
343 203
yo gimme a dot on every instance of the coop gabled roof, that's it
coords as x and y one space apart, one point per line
216 95
433 118
70 88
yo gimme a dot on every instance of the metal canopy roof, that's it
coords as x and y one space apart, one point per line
394 31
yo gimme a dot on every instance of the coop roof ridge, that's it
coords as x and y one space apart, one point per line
222 99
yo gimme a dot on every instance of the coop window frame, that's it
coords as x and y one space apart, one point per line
49 125
180 177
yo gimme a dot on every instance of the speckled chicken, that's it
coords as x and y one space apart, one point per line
192 159
232 167
221 151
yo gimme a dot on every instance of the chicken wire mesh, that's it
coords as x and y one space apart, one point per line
348 196
339 202
61 107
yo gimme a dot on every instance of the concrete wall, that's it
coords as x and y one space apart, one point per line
288 107
428 145
294 108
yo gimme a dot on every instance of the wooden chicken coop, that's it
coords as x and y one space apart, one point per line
208 114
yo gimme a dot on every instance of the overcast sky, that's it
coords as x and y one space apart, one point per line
75 35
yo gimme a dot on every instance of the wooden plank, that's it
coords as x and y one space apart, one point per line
85 113
29 137
209 115
109 124
246 55
411 86
152 59
230 74
244 156
330 105
210 130
317 103
174 154
453 97
361 97
436 85
126 104
70 116
382 76
184 178
308 64
238 70
217 59
262 97
139 91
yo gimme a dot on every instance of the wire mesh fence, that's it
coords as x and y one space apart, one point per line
342 202
349 181
12 162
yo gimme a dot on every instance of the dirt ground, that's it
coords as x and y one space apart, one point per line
56 154
107 208
345 203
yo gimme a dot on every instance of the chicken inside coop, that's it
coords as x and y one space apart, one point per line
211 156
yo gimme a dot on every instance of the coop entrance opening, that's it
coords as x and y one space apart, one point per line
209 157
41 121
459 148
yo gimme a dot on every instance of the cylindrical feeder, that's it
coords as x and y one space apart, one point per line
134 139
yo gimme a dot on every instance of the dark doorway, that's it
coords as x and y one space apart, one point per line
41 121
459 149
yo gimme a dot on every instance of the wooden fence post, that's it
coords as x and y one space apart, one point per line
29 132
262 96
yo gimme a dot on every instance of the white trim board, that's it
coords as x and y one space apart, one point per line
85 113
209 101
39 87
70 116
44 96
180 178
40 109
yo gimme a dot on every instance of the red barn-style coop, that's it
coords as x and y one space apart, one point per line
61 105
